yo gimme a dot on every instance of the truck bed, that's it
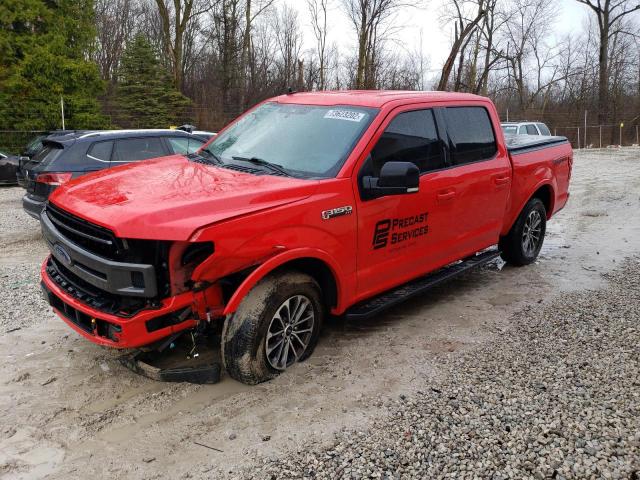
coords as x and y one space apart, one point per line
517 144
541 165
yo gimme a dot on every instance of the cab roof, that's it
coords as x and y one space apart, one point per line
372 98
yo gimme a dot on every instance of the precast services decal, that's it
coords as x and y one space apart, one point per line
394 231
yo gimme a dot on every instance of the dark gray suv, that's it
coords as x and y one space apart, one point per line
69 156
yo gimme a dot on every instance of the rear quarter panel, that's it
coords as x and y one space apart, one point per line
532 170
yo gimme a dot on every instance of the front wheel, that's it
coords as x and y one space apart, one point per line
276 325
522 244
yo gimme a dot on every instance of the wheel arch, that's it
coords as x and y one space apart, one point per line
315 263
546 195
544 191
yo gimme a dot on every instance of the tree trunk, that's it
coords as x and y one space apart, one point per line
455 48
244 55
362 54
603 72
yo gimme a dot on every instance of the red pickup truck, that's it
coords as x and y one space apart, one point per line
307 205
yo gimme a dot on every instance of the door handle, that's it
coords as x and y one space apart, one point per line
446 196
501 180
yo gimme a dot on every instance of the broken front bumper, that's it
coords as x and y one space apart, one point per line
174 314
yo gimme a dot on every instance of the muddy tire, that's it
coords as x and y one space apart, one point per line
524 241
276 325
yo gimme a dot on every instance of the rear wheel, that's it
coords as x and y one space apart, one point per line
275 326
523 243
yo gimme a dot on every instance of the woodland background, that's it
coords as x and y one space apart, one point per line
156 63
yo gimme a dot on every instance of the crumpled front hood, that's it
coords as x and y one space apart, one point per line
170 198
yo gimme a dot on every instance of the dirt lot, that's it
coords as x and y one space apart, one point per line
68 409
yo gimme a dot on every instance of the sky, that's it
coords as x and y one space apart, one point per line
571 16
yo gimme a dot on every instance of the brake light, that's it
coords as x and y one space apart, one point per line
53 178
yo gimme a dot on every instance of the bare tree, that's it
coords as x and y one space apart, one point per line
114 21
175 20
318 10
610 14
227 17
492 23
288 36
526 30
465 25
369 19
250 16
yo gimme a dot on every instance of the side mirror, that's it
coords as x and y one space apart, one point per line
396 178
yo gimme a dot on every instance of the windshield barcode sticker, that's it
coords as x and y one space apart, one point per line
344 115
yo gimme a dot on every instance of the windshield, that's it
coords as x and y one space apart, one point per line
305 140
510 129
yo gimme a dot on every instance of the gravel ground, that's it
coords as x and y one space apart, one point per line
22 251
21 301
556 395
479 361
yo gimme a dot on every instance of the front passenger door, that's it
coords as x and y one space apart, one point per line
402 236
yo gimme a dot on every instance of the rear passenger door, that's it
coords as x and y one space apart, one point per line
482 173
133 149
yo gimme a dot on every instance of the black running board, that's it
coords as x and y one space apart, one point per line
390 298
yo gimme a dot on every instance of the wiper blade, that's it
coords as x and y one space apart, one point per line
274 167
210 158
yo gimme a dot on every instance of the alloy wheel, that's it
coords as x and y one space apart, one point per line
289 332
532 233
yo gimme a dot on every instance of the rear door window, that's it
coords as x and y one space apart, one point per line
184 145
470 133
532 130
410 137
132 149
100 151
543 129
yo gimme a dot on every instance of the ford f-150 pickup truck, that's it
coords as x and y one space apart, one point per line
307 205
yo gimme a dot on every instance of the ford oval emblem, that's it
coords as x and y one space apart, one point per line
62 254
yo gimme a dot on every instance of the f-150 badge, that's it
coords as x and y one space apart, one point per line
337 212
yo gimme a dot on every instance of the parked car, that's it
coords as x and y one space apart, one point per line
8 168
33 147
203 134
525 128
309 204
70 156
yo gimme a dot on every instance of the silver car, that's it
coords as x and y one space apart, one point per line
525 128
